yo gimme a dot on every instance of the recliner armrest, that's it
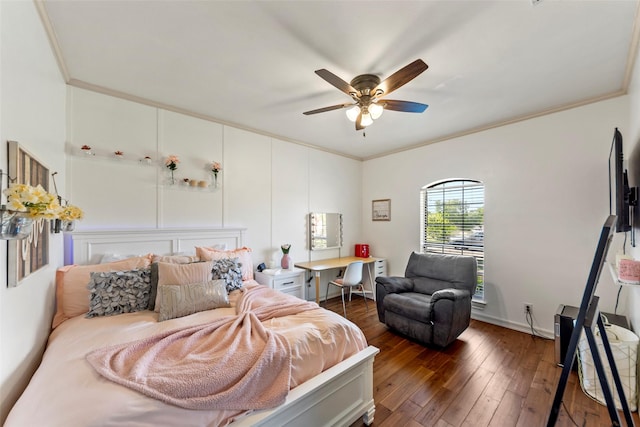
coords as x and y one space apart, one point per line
449 293
451 313
395 284
386 285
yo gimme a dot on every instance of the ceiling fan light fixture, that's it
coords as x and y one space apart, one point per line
366 89
366 119
353 112
375 110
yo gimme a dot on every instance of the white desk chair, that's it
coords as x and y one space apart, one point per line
352 278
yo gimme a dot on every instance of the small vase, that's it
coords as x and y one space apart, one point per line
68 225
285 262
15 225
215 180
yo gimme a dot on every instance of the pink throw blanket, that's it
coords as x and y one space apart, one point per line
232 363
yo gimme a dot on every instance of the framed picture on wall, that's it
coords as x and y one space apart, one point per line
381 210
31 254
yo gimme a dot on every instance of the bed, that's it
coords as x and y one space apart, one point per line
331 376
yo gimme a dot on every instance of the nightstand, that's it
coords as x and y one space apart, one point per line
287 281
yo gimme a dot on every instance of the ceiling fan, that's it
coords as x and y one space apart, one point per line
367 91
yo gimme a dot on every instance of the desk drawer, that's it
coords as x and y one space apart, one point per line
380 268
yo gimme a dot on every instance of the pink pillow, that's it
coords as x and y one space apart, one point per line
243 254
182 274
72 295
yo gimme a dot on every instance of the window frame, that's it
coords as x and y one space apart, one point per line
470 222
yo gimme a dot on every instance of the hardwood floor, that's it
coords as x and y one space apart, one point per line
491 376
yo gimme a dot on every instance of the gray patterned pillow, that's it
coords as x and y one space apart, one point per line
183 300
228 269
118 292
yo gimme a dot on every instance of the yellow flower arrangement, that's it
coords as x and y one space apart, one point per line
71 213
35 201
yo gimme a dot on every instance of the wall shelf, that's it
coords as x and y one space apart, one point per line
143 161
124 159
180 186
616 280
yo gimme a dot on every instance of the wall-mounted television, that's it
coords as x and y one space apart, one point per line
621 196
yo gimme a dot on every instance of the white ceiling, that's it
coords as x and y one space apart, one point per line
252 63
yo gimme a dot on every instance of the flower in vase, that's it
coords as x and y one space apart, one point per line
285 248
35 201
71 213
172 162
216 167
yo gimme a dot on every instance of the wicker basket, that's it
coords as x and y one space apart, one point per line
624 346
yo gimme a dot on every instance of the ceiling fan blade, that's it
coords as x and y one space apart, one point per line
336 81
322 110
405 106
402 76
359 122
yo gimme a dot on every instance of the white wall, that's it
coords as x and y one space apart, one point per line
546 198
266 185
32 112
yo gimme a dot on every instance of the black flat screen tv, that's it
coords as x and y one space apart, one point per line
619 191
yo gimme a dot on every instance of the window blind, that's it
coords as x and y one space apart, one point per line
453 221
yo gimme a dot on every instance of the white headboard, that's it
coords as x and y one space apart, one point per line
87 247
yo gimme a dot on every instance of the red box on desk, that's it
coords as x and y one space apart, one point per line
362 250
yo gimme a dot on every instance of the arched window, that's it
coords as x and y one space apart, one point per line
453 221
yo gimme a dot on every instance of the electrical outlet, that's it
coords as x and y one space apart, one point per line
528 308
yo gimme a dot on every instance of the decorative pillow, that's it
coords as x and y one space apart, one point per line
72 295
228 270
170 259
182 300
118 292
153 292
244 254
176 259
182 274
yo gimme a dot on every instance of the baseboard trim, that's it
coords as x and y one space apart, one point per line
520 327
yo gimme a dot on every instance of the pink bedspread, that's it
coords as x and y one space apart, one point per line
232 363
67 391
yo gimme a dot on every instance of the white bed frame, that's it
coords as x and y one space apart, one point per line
337 397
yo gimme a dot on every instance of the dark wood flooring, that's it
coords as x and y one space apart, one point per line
491 376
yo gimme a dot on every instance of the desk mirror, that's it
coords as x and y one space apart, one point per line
325 231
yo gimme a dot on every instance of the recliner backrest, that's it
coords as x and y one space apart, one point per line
432 272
